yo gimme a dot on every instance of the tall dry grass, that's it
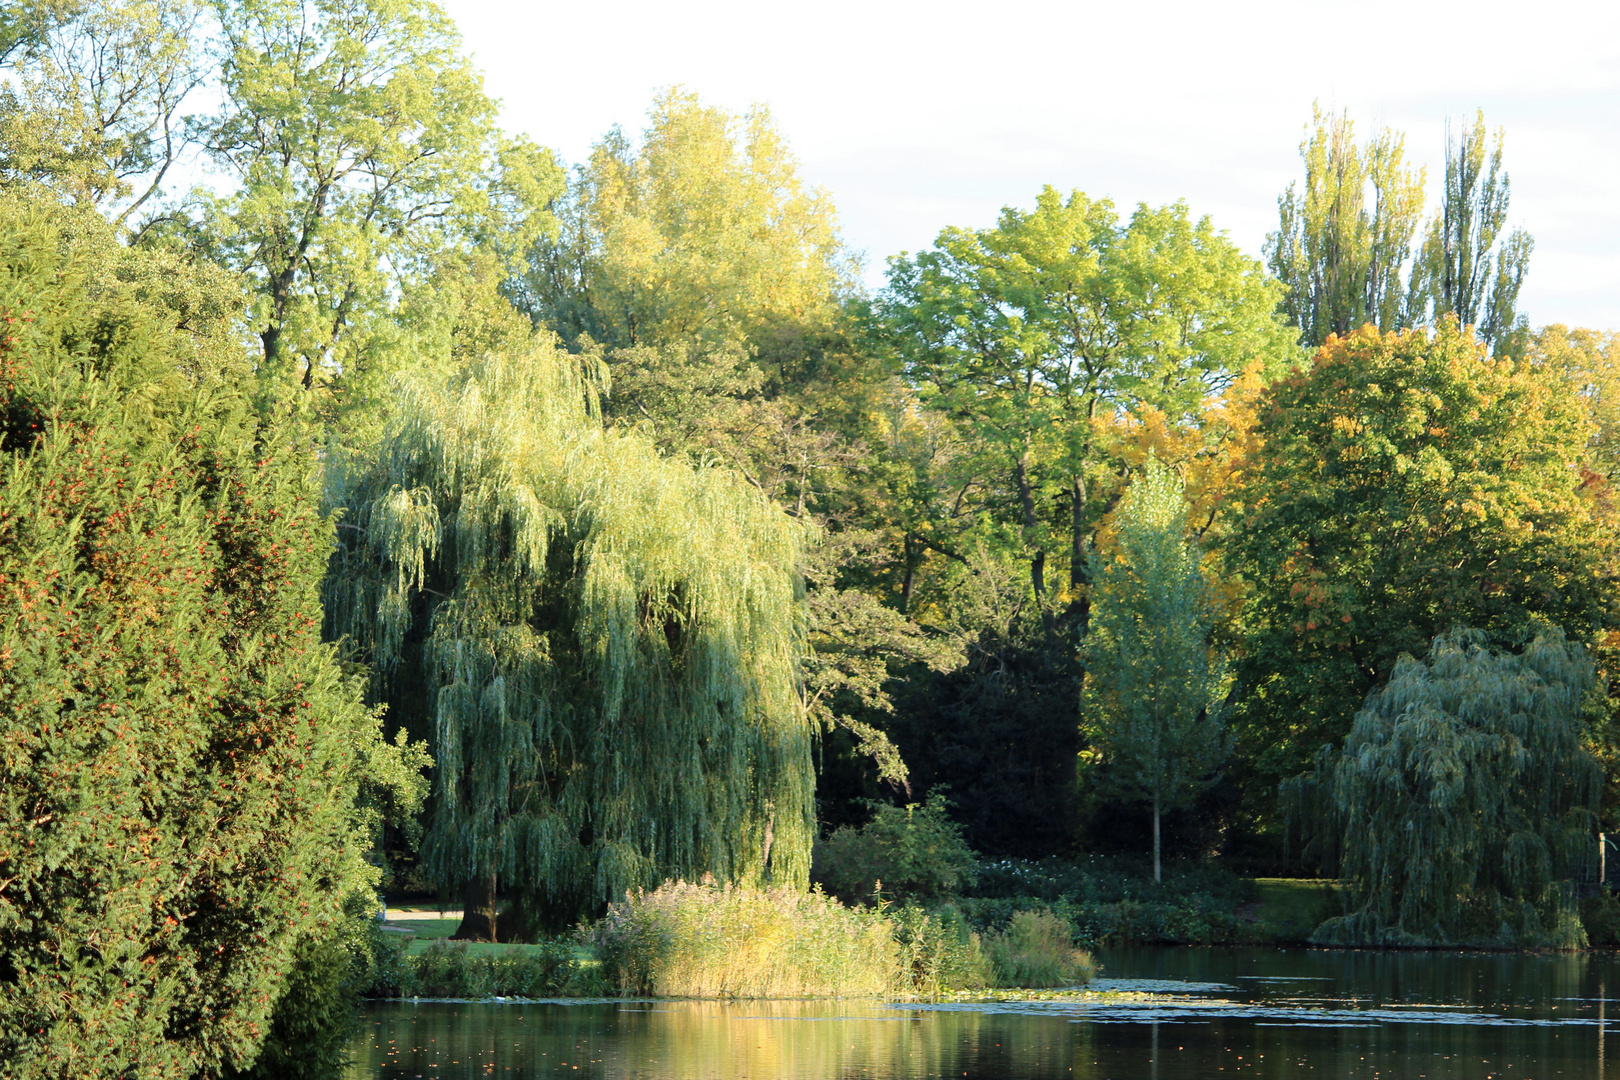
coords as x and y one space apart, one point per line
727 941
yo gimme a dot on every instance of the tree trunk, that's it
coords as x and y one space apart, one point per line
910 556
1158 871
1026 500
478 911
1079 575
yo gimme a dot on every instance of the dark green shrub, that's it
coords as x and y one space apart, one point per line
1037 949
177 747
1600 916
915 852
938 951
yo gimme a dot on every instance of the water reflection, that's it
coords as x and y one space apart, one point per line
1262 1013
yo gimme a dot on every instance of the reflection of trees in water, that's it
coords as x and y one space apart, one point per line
1486 980
688 1039
829 1040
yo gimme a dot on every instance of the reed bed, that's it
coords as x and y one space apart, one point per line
706 940
1037 950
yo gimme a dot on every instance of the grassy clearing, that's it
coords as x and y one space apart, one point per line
426 930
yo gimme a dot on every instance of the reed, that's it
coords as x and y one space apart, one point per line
707 940
1037 949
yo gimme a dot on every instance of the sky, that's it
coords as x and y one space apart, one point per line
916 116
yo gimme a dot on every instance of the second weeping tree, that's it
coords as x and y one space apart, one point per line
608 641
1462 802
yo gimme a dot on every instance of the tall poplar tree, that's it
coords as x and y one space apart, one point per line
610 641
1344 239
1462 270
1152 694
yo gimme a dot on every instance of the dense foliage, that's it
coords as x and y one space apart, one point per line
1403 484
1462 801
610 641
179 752
647 514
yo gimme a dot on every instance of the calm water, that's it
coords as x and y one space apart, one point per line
1237 1012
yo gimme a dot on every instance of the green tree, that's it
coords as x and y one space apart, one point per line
1463 799
1341 259
610 641
1461 269
180 755
1590 361
363 149
1401 485
1152 703
709 277
1031 333
95 109
704 237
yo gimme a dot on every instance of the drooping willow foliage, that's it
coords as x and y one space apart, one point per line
1463 799
610 640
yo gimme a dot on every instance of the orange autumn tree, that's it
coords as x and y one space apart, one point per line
1401 485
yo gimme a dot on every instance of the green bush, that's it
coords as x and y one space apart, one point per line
709 940
178 763
1600 916
452 969
1037 949
914 853
938 952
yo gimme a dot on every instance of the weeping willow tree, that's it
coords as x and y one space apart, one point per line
1151 701
608 640
1462 798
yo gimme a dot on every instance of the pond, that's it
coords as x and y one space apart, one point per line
1225 1012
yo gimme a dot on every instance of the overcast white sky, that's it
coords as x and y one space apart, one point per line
920 115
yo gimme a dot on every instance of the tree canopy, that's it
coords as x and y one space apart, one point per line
1400 485
1033 333
704 235
612 640
1463 799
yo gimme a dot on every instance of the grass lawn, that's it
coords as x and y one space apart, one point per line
428 929
1290 908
